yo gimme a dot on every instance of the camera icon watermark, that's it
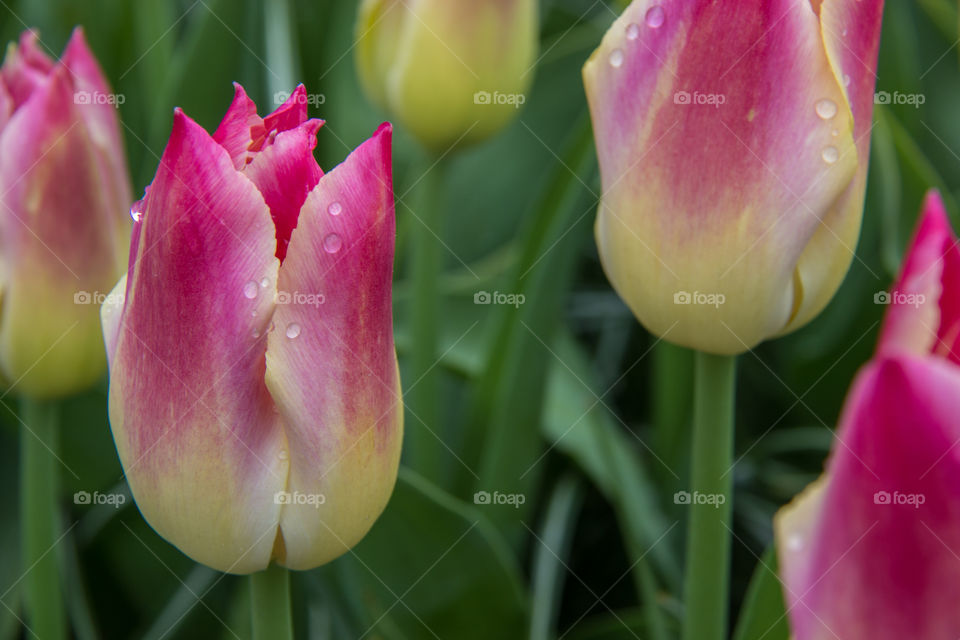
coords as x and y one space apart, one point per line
486 297
698 98
515 100
896 498
699 298
115 500
899 297
696 498
297 498
300 298
310 99
498 498
98 298
98 97
912 99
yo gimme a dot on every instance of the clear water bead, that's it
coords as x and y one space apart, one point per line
332 243
250 290
293 330
655 17
830 155
616 58
826 109
633 31
335 209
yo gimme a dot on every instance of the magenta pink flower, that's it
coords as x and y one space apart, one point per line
64 229
872 549
254 396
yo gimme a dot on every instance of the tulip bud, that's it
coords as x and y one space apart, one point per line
870 550
64 228
254 390
454 73
733 148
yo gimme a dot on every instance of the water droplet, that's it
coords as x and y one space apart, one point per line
826 109
335 209
282 454
830 155
293 330
136 215
834 133
256 333
844 32
633 31
332 243
616 58
265 283
794 543
655 17
250 290
846 80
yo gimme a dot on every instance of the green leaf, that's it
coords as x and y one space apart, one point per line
763 614
425 559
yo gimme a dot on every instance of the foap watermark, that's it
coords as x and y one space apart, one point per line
310 99
296 497
115 500
912 99
98 298
98 97
512 499
497 297
515 100
899 297
699 297
699 98
896 498
300 298
696 498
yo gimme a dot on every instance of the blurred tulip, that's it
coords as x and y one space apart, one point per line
733 147
254 391
451 72
64 230
871 549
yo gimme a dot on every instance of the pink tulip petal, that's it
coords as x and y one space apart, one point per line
25 68
289 115
235 133
331 364
285 172
50 162
874 552
6 104
923 317
851 35
702 197
191 416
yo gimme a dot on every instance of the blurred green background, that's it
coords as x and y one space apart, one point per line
564 399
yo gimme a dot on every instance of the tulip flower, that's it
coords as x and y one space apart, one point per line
64 229
871 549
254 390
733 145
451 72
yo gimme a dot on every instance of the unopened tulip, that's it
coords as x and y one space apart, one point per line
254 390
871 549
733 142
64 227
451 72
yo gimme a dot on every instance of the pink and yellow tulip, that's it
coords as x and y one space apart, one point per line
64 229
454 73
733 142
872 549
254 391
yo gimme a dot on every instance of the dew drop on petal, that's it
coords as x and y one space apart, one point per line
282 454
250 290
335 209
633 31
830 155
616 58
846 80
794 543
826 109
256 333
293 330
265 283
655 17
332 243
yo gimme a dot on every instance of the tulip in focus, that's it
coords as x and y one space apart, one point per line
733 141
871 549
254 391
451 72
64 230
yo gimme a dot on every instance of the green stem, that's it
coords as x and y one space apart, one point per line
708 537
270 604
426 265
40 521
